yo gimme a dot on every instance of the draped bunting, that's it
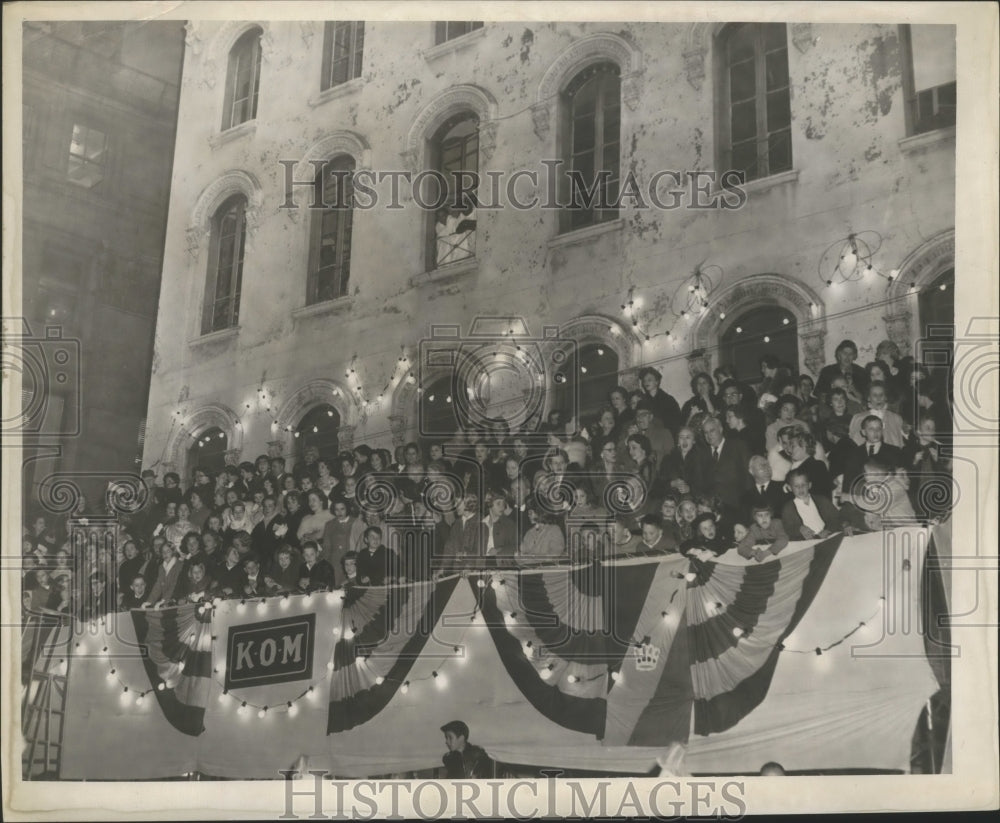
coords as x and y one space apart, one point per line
176 649
603 666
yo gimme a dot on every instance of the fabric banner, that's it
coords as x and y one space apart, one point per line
814 659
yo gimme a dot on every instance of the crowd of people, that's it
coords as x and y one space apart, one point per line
733 467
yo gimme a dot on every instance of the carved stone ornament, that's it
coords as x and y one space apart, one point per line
233 457
275 448
813 351
631 90
397 425
694 67
802 36
540 118
345 438
897 329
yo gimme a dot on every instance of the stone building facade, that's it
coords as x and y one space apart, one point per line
264 104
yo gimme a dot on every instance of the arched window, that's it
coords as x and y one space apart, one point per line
929 76
592 145
437 410
754 102
591 373
455 154
242 80
937 323
343 51
225 270
330 249
208 452
754 333
318 427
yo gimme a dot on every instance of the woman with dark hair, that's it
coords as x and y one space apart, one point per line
604 427
702 397
925 397
787 408
198 510
191 545
294 513
643 466
685 469
543 539
620 401
878 372
325 480
706 536
802 447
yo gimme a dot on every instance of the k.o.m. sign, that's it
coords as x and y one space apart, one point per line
275 651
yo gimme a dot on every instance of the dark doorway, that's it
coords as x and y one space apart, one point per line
319 427
754 333
208 452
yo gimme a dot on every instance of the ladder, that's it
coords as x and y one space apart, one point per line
45 642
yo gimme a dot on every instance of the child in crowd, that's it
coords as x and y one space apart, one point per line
766 530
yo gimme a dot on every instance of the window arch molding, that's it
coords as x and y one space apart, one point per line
329 147
921 268
700 37
446 105
774 289
587 51
212 197
221 43
314 393
210 415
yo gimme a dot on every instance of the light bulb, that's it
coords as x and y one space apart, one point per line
849 262
379 680
292 709
223 695
405 687
262 712
545 673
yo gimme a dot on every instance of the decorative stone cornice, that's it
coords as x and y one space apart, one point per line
450 102
214 195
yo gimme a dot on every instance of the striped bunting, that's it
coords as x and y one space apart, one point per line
731 670
383 630
176 648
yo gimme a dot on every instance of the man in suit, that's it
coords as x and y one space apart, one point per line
734 393
315 574
727 467
878 405
764 491
499 532
465 535
873 446
252 584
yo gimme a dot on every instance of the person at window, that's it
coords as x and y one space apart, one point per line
893 431
236 519
723 375
544 540
190 547
198 512
343 533
707 540
807 516
873 446
840 410
278 472
133 564
642 464
264 540
465 535
878 372
455 234
294 514
806 392
211 551
774 375
315 574
703 398
924 396
766 536
603 427
584 506
734 393
663 405
619 400
898 368
726 476
134 595
464 760
229 575
846 354
623 542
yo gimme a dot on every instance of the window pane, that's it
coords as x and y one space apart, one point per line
774 35
742 81
778 110
745 158
744 121
611 158
741 43
779 151
933 49
583 134
777 70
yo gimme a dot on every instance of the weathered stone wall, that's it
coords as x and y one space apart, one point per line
850 174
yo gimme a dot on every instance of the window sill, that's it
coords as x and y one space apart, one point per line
765 183
922 142
235 133
334 92
336 306
454 44
221 336
445 273
577 236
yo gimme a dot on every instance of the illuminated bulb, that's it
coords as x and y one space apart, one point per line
690 577
262 606
180 666
480 583
336 631
329 413
600 352
440 680
526 648
616 676
140 700
242 710
405 687
161 686
125 698
893 274
284 602
573 678
447 399
262 712
739 330
297 433
111 675
221 668
545 673
311 693
737 631
431 398
784 321
329 665
509 619
583 369
104 651
767 339
411 379
943 286
292 709
495 584
722 315
242 607
850 262
379 680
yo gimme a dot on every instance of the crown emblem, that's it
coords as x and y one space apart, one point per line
646 657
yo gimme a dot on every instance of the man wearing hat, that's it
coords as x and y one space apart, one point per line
663 405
